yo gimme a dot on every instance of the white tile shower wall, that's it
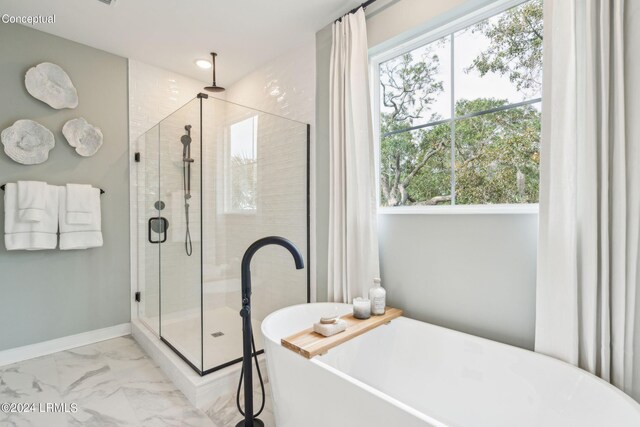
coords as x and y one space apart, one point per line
155 93
285 87
280 210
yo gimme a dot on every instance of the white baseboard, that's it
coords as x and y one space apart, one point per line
31 351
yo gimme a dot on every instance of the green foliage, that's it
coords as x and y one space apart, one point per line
496 155
496 159
409 87
516 46
415 166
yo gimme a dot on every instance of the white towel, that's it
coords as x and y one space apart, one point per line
31 200
80 236
30 235
79 204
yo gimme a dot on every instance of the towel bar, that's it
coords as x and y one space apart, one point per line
3 185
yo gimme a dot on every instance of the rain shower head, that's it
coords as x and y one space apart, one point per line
214 87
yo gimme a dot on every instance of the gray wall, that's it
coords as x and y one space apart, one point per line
473 273
470 272
51 294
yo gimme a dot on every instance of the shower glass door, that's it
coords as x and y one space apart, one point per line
181 248
149 214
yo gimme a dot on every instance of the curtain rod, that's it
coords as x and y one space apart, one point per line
354 10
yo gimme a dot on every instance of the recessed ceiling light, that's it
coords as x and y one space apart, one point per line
203 63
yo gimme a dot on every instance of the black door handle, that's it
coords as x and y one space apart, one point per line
158 225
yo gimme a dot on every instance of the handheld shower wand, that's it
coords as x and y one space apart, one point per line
186 185
250 419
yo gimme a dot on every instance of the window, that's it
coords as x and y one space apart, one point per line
242 165
458 113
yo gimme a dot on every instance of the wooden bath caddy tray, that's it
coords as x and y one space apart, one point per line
309 344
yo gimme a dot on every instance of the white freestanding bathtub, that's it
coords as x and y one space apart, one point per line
410 373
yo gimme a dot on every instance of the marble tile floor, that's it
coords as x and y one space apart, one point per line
113 383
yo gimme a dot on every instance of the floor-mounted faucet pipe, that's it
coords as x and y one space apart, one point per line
245 313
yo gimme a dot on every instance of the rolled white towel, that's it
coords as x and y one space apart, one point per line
31 200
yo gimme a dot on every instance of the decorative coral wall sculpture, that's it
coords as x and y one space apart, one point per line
27 142
51 84
84 137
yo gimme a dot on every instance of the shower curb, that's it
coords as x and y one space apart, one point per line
202 392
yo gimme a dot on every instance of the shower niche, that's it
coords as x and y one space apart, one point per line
212 178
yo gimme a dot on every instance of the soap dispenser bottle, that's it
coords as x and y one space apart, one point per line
378 298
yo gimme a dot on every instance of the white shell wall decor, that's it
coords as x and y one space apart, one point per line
51 84
27 142
84 137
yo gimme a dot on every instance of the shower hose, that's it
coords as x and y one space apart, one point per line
186 184
255 358
188 246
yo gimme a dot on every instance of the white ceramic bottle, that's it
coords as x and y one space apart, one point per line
378 297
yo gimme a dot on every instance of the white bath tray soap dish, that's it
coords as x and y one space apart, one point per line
308 343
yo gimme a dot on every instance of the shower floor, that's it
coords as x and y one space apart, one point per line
222 341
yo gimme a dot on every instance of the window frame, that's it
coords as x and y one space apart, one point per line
448 27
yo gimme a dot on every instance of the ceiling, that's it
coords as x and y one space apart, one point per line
172 34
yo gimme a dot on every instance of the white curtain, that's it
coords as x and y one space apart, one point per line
590 189
353 241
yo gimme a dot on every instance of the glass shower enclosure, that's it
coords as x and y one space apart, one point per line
212 178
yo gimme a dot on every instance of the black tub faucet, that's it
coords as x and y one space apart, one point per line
245 312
